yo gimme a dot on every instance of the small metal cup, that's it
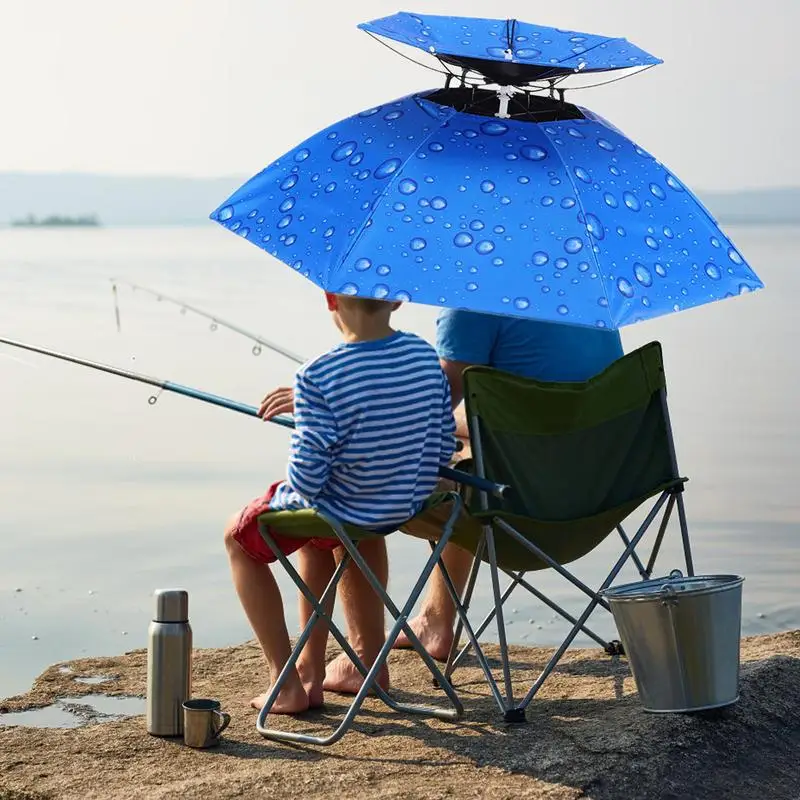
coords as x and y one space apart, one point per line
203 722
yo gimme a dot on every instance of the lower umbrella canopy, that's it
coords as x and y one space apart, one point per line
552 214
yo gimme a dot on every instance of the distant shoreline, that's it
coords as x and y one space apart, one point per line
750 222
57 221
171 200
756 221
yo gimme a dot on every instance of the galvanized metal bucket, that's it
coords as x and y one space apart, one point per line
681 636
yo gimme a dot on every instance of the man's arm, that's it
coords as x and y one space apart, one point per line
454 370
464 339
449 436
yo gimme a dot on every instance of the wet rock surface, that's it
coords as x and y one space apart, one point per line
586 737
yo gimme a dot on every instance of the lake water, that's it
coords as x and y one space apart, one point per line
104 498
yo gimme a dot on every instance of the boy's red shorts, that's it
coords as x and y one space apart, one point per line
249 539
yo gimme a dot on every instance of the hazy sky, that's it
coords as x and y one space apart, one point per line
202 87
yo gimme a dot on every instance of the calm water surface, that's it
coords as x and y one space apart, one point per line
104 498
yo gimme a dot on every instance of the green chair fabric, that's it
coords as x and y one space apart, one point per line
571 451
579 457
304 523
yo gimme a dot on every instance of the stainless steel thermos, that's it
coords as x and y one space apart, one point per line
169 663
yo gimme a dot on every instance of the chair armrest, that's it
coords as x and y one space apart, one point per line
457 475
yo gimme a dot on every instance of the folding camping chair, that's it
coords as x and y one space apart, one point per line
319 525
578 458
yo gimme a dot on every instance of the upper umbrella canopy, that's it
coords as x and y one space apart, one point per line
508 51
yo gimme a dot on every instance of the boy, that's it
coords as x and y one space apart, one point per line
373 425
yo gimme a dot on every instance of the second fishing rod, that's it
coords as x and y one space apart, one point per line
216 321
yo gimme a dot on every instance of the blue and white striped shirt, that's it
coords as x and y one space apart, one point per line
373 425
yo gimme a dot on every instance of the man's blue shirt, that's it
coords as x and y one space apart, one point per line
546 351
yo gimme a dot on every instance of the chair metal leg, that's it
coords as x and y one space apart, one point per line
662 529
401 621
518 579
687 550
595 601
371 674
318 614
498 605
563 612
473 641
634 556
551 562
487 620
466 599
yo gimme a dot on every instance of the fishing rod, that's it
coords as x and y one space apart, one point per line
216 321
223 402
166 386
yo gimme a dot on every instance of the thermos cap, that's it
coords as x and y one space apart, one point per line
172 605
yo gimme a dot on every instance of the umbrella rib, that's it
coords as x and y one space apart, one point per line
562 78
593 47
395 178
403 55
618 78
583 213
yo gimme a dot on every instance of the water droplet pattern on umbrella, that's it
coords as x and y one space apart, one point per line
488 39
415 201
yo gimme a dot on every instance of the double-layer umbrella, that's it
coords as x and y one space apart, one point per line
492 197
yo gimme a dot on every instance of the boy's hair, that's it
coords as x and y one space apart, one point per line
368 305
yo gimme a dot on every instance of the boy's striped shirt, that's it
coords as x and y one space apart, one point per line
374 424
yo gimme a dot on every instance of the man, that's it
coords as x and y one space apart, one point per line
546 351
541 350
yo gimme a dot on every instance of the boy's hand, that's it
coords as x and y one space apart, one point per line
278 401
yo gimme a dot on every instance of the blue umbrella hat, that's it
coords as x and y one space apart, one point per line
497 200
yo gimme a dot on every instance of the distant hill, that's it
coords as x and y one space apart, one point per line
121 200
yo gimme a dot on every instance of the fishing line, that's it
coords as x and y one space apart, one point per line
19 360
216 321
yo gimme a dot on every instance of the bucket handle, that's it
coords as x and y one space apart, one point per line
669 597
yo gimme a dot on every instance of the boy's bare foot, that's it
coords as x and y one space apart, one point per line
436 637
316 698
312 683
341 675
292 698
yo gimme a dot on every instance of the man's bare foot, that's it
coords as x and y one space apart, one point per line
292 699
341 675
436 637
